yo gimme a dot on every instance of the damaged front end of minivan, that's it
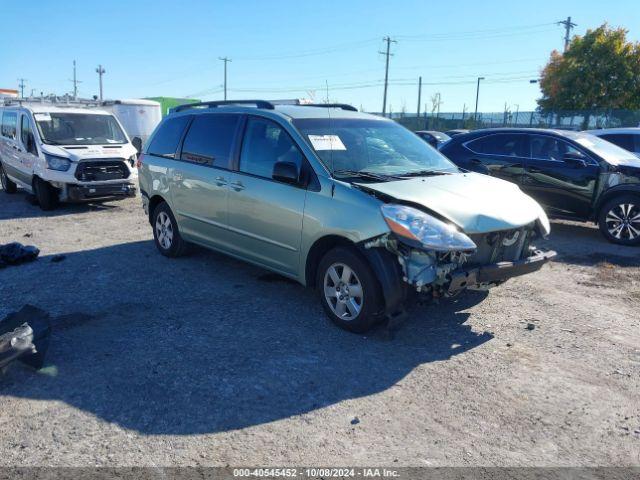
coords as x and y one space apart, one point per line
437 259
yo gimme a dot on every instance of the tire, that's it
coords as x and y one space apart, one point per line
165 232
7 185
619 220
353 310
46 195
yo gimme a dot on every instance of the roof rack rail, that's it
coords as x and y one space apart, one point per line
220 103
343 106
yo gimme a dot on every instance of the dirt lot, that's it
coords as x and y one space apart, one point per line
208 361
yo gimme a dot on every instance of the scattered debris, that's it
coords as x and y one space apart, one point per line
24 335
58 258
355 421
28 235
567 330
509 344
15 253
530 326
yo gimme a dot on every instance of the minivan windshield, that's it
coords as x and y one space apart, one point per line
351 146
62 128
611 153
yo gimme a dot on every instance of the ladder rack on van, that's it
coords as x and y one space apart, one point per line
52 100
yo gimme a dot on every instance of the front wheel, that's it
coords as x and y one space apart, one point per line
349 291
46 195
7 185
619 220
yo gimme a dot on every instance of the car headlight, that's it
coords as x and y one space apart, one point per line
60 164
420 227
545 225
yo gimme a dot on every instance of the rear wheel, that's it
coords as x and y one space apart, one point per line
165 232
7 185
46 195
619 220
349 290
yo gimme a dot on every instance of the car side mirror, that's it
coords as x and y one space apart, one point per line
137 144
576 159
286 172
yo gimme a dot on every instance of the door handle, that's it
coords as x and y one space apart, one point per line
221 181
535 170
237 186
177 177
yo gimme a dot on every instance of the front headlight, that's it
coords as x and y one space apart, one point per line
420 227
60 164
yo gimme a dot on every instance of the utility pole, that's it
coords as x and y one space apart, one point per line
475 116
75 82
419 95
386 72
568 25
225 60
100 71
21 85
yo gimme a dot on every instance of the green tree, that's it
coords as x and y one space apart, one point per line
600 70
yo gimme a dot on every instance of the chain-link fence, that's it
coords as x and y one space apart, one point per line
571 120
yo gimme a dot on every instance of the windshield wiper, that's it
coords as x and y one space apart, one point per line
367 175
425 173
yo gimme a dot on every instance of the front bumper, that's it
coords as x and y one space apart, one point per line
498 272
76 193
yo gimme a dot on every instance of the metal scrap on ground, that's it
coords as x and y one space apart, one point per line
24 336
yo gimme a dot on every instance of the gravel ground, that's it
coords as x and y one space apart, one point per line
205 360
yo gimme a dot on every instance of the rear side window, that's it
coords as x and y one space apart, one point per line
165 141
209 140
504 144
622 140
9 124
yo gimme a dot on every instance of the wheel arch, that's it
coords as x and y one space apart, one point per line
615 192
154 201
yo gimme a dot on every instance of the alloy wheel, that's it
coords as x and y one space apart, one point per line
623 221
343 291
164 230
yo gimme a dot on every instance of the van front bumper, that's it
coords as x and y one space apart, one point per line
77 193
496 273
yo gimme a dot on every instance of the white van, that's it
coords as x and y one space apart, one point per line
138 117
65 152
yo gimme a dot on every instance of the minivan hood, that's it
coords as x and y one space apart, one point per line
474 202
81 152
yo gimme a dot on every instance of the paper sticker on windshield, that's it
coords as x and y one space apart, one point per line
42 117
326 142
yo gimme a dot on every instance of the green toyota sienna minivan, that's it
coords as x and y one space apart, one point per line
353 205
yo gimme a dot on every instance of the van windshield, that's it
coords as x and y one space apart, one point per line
371 146
61 128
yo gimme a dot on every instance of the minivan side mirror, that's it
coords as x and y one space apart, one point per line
137 144
286 172
575 159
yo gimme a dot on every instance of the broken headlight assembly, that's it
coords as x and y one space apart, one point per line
419 227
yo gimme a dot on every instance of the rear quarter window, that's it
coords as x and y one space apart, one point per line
9 124
165 141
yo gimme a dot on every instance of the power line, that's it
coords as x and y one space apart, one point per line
225 60
568 26
387 54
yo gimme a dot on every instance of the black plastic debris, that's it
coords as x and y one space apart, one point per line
24 336
58 258
15 253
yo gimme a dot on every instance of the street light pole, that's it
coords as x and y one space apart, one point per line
475 116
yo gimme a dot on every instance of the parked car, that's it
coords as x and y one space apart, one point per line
627 138
65 153
456 131
433 138
573 175
353 204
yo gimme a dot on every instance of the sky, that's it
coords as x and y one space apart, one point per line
298 49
